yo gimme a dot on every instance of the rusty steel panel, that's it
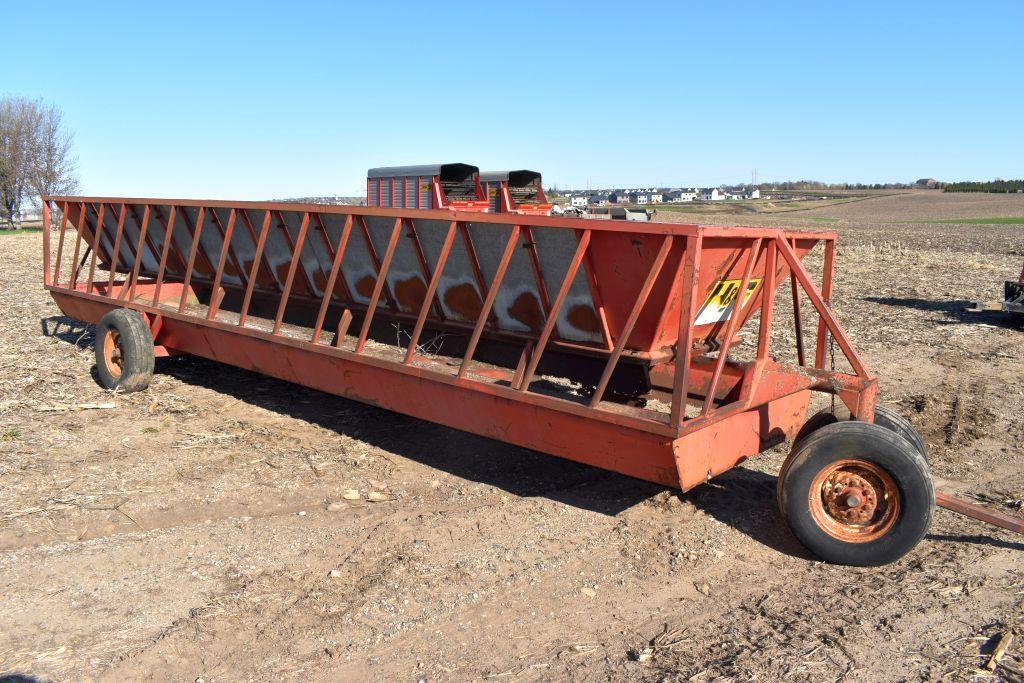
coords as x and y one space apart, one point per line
518 305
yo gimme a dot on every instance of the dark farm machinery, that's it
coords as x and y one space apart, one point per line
1013 298
616 344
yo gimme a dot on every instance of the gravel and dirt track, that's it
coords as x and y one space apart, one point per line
226 526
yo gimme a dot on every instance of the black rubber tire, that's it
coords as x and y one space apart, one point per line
816 422
134 346
886 450
894 422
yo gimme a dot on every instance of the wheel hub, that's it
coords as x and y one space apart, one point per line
112 352
854 500
849 497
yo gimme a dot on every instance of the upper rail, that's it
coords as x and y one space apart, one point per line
650 227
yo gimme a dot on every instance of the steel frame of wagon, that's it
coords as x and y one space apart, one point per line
739 401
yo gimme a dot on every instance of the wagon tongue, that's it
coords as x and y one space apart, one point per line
979 512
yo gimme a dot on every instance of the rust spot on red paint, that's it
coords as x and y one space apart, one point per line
584 318
320 280
527 310
464 301
282 272
365 286
410 293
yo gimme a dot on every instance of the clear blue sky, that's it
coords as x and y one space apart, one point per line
259 100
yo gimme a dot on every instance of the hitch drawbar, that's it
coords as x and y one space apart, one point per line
979 512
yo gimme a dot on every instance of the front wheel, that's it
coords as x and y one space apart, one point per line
857 494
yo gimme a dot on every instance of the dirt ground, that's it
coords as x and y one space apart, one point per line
219 526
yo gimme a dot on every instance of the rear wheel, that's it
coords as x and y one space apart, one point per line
124 351
894 422
857 494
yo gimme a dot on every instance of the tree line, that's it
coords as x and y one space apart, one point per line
35 156
985 186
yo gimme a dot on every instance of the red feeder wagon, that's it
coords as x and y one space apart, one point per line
609 343
515 192
433 186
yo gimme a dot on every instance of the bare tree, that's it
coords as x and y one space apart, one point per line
35 156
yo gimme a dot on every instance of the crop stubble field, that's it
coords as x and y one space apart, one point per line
226 526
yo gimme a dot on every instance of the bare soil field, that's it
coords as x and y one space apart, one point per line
226 526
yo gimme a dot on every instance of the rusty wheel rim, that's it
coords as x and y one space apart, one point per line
855 501
112 352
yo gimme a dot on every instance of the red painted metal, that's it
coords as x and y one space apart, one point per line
256 263
382 274
168 232
428 298
96 245
644 295
492 293
339 254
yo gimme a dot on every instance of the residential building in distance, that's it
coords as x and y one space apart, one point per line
578 200
711 194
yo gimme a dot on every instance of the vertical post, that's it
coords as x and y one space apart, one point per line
218 277
46 242
684 340
168 238
379 285
492 293
60 244
730 330
82 222
186 283
339 255
296 260
764 338
798 323
96 247
115 257
556 306
827 278
255 268
634 315
129 287
428 298
343 323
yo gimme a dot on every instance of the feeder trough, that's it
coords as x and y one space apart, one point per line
642 348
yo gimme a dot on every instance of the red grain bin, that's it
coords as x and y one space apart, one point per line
628 346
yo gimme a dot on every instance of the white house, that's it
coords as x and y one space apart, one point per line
579 200
656 198
643 198
598 200
754 194
711 194
686 196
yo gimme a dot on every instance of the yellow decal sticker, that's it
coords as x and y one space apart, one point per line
720 303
